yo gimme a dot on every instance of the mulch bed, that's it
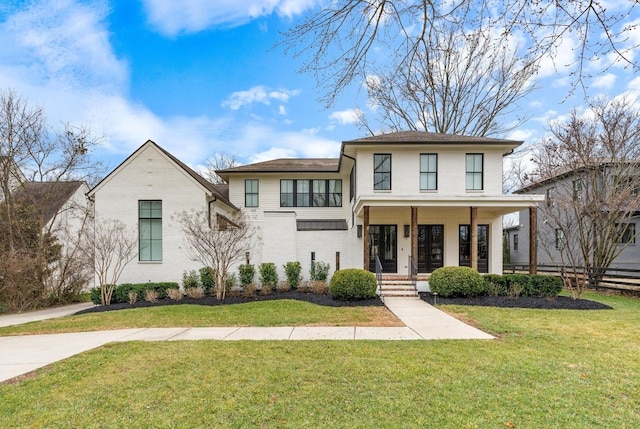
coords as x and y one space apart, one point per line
560 302
557 303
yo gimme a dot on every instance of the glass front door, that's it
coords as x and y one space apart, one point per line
383 244
483 247
430 247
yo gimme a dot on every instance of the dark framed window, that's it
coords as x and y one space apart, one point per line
626 233
382 171
474 180
428 172
577 190
515 242
311 193
251 193
352 183
560 241
549 197
150 230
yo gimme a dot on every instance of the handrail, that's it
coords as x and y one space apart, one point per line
379 273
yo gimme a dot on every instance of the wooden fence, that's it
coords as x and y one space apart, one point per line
618 279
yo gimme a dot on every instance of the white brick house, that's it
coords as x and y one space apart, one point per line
396 196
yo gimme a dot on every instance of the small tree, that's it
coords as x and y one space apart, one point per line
113 246
218 246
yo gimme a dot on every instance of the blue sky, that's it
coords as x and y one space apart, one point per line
200 77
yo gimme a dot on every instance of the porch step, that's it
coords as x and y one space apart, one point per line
397 287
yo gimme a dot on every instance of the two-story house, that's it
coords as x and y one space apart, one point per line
429 198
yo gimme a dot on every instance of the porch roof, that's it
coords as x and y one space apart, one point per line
499 204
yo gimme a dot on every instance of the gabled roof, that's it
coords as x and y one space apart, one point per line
215 190
287 165
47 196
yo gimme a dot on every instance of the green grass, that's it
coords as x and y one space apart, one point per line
548 369
266 313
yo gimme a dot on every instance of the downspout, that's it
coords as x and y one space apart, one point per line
209 209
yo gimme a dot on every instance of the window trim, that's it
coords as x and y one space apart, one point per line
577 190
428 172
151 239
626 230
561 240
256 193
375 172
468 172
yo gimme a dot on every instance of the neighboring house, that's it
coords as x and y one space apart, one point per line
391 197
561 192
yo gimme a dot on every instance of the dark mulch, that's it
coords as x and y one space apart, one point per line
211 300
557 303
560 302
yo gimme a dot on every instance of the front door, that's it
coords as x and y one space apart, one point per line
383 244
430 247
483 247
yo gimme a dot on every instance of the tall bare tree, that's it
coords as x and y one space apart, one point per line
591 169
219 161
218 243
341 41
36 164
463 83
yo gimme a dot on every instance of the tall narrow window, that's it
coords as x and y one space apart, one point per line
335 193
549 197
577 190
303 198
474 170
251 193
515 242
428 172
286 193
382 172
560 239
319 193
150 230
352 184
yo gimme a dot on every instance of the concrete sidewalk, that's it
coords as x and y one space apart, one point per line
49 313
22 354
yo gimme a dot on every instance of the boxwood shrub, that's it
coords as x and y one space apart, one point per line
543 285
456 281
495 285
353 284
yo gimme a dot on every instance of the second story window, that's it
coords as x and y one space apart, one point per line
515 242
311 193
428 172
560 239
474 172
577 190
626 233
382 172
150 230
251 193
549 196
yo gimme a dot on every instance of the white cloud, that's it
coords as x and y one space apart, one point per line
258 94
605 81
346 117
173 17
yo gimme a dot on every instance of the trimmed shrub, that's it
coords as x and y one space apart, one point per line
543 286
121 292
353 284
319 271
268 274
456 281
230 282
292 271
208 279
95 295
246 272
495 285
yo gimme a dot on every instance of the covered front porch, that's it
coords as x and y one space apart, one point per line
405 237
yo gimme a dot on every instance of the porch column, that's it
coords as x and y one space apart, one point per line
533 240
414 234
365 237
474 237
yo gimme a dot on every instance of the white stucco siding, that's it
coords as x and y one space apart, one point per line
150 175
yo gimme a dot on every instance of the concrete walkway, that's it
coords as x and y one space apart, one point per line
22 354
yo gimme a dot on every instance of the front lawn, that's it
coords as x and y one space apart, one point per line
284 312
548 369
